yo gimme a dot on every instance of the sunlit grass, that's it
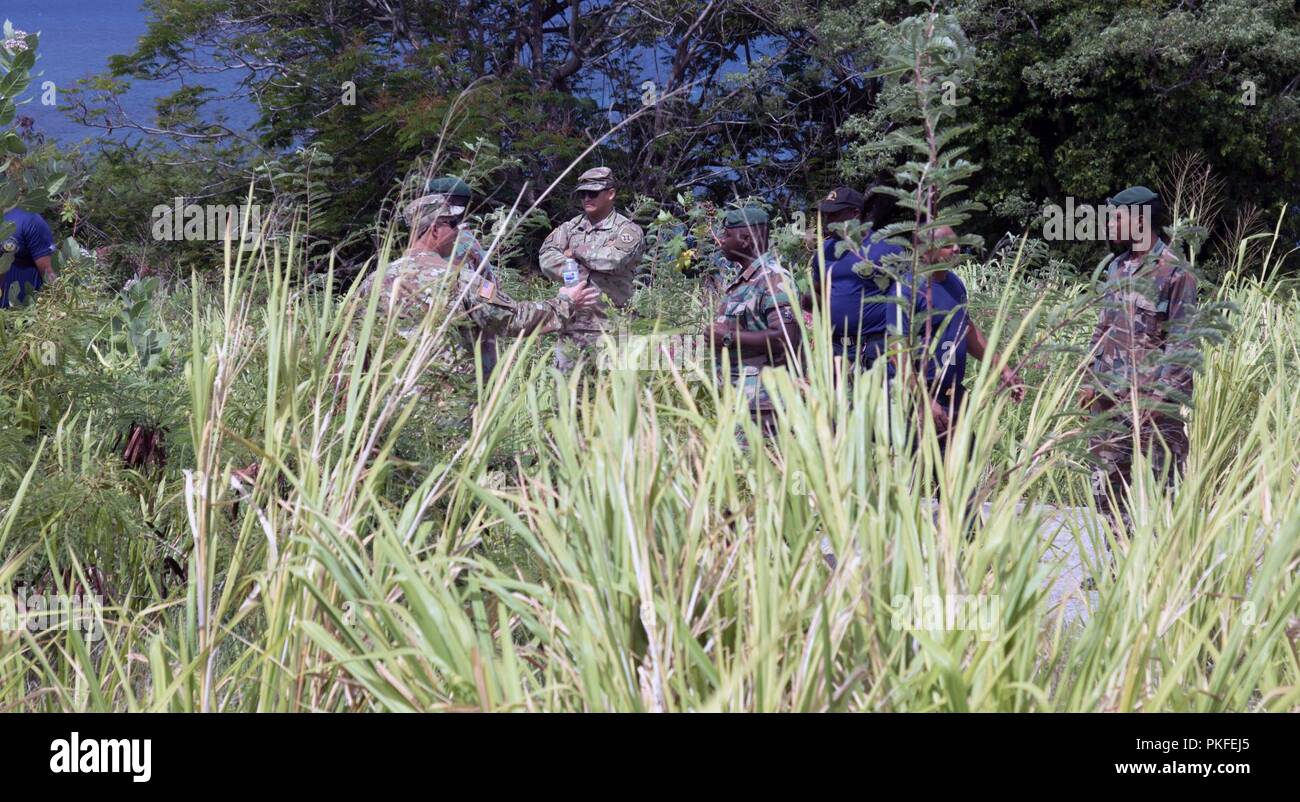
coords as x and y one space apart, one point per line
615 546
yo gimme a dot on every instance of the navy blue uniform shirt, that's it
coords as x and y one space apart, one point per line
941 304
947 308
30 241
856 310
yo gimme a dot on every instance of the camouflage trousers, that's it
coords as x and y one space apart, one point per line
1164 444
580 341
760 403
575 346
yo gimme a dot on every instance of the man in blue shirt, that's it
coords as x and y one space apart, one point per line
858 288
945 330
31 245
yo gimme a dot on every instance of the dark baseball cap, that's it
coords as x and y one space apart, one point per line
842 198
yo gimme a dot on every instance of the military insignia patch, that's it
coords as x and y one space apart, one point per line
10 246
486 290
625 237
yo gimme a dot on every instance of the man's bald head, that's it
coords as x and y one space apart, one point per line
937 245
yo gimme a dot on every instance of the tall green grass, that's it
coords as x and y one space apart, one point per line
609 543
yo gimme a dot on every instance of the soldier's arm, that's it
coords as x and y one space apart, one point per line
769 341
1180 348
782 330
621 253
500 314
551 257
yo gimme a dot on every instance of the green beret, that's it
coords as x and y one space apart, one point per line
744 218
1133 196
447 185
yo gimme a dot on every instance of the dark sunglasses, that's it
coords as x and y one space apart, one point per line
587 194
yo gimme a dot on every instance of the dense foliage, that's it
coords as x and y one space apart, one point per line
775 98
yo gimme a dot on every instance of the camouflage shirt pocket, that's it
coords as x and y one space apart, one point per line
1148 319
733 308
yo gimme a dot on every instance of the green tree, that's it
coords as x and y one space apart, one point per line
1080 99
27 180
723 98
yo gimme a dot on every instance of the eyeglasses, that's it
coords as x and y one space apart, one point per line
588 194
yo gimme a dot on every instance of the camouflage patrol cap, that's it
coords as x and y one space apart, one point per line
744 217
451 186
596 179
431 207
1133 196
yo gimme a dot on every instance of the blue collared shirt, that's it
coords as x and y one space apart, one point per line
857 310
30 241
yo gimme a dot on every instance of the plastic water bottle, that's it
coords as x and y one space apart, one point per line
571 274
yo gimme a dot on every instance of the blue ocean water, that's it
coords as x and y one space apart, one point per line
77 37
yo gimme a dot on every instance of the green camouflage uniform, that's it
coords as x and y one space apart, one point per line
469 254
609 251
718 274
1141 346
757 300
413 282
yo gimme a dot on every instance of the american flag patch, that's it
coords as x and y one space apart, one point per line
486 290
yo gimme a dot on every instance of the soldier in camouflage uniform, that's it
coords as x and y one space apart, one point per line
442 254
468 251
756 318
718 274
607 247
1143 353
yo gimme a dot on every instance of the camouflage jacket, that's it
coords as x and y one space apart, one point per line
1142 337
608 253
414 282
719 272
757 300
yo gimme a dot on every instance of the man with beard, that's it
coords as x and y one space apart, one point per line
1143 353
